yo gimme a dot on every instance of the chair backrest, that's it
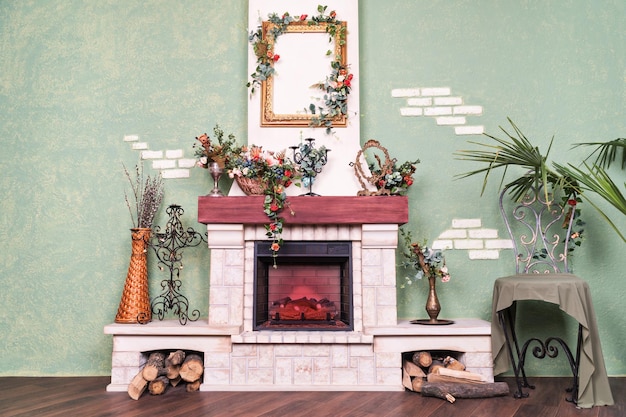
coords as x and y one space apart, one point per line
540 229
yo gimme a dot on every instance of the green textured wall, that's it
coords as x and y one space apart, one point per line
76 76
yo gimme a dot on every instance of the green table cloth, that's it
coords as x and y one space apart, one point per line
573 296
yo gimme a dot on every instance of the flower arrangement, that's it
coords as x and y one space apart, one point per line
147 197
336 86
218 150
276 172
396 179
425 261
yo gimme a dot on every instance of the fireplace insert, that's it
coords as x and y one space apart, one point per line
309 289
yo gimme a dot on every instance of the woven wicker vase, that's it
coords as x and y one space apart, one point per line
135 303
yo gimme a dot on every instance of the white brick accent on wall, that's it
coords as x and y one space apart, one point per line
468 234
172 163
438 102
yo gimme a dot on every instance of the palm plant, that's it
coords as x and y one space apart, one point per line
514 151
517 151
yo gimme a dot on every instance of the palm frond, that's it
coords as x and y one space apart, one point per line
596 180
514 150
607 152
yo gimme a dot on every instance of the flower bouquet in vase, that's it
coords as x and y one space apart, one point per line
426 262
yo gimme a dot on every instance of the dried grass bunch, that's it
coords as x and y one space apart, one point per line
147 197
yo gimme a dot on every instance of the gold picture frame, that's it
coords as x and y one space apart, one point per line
299 117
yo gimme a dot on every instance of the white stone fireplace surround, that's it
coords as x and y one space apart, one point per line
236 357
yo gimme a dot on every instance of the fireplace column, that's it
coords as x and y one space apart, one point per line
226 292
378 251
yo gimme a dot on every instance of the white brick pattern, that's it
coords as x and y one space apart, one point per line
172 163
468 234
437 102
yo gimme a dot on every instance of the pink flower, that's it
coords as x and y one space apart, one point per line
275 247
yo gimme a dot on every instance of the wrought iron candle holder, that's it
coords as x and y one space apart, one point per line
310 160
168 247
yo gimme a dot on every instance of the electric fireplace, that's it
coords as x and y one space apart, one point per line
307 287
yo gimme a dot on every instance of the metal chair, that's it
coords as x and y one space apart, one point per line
541 230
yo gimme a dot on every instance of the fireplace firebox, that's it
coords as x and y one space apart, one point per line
308 286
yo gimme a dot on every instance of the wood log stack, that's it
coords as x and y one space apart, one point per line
164 369
446 378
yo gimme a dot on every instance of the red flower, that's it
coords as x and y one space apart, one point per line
275 247
303 17
408 180
333 14
273 227
572 202
287 183
288 174
346 82
274 207
276 57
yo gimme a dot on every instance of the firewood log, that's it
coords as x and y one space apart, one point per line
465 376
193 386
159 385
435 366
172 371
175 358
417 384
450 391
154 366
406 381
192 368
452 363
137 386
412 369
175 381
423 359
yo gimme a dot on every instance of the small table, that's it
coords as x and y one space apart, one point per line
573 296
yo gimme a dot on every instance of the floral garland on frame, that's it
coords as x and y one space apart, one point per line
337 85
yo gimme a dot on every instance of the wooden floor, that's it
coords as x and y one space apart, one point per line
87 396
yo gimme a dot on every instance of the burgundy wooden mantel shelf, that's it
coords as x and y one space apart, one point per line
308 210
